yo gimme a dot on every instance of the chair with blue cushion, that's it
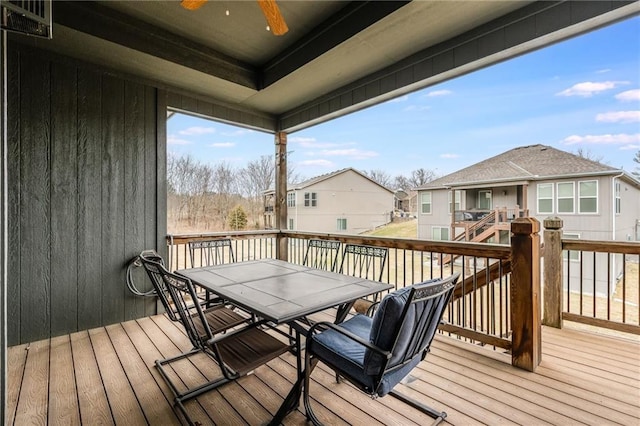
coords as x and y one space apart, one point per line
375 353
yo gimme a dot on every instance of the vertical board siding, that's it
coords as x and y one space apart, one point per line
13 198
89 198
84 153
113 288
134 187
64 206
35 199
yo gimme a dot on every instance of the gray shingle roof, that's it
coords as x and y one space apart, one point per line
534 162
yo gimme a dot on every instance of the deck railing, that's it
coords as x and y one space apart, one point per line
591 282
482 309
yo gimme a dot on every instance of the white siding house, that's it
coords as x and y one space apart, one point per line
594 201
345 201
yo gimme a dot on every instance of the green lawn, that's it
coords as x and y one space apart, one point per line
407 229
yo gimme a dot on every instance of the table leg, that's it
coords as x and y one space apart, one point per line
292 401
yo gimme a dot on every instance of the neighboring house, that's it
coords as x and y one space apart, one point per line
406 202
595 201
345 201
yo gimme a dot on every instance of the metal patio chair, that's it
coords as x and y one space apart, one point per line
322 254
237 352
376 353
219 317
364 262
209 253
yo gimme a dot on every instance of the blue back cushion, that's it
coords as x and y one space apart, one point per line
384 327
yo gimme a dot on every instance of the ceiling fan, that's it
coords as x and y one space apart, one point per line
270 9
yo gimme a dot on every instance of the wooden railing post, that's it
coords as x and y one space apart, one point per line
552 296
525 294
281 195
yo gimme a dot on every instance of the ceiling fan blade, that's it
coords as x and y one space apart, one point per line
274 17
192 4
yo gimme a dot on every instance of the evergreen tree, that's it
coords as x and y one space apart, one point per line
237 219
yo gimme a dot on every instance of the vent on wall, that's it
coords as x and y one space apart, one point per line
32 17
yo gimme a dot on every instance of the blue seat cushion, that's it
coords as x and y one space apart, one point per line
344 353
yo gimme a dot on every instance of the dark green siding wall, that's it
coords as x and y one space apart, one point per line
86 193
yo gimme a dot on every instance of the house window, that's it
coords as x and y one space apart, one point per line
290 224
440 233
566 197
291 199
342 224
425 203
455 200
570 254
588 196
545 198
310 199
484 200
618 200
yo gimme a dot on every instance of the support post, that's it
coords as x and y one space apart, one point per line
526 349
280 207
552 296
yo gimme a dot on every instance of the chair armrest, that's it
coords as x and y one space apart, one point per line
351 336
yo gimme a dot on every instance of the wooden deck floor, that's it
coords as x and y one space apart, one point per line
107 376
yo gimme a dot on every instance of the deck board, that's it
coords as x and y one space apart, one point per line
108 376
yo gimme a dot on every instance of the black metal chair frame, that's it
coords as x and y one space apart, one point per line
211 252
360 260
440 293
322 254
237 352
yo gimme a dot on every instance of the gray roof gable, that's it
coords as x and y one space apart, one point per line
533 162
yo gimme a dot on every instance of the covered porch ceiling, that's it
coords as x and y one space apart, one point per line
336 58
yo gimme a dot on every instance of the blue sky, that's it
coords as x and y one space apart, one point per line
583 93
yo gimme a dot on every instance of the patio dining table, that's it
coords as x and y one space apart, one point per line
283 293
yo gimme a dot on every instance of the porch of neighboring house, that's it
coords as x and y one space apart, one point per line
107 376
488 213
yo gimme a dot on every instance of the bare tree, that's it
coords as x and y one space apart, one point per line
588 155
421 176
380 176
636 159
401 182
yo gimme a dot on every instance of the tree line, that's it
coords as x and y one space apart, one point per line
211 196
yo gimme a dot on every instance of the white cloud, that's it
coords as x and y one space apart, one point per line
618 139
629 95
223 145
619 117
239 132
603 71
352 153
197 130
403 98
589 88
449 156
439 93
319 163
173 140
313 143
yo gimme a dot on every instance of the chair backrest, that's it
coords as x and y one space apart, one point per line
211 252
363 261
405 324
322 254
190 314
154 265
